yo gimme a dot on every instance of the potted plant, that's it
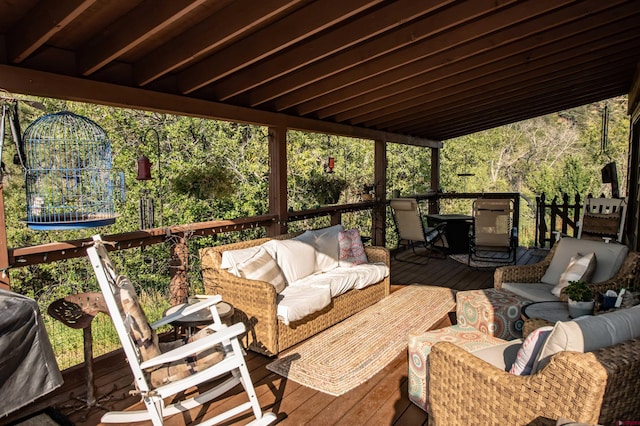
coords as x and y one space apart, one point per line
327 187
580 298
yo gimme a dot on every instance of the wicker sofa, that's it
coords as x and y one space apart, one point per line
254 301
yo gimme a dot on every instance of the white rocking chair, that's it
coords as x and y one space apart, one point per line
212 353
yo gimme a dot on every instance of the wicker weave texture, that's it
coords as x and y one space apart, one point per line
255 301
465 390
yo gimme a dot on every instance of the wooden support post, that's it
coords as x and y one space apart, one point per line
4 247
434 205
179 287
278 179
379 212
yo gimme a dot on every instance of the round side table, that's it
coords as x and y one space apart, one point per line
539 314
198 319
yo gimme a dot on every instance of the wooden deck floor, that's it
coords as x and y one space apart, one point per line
382 400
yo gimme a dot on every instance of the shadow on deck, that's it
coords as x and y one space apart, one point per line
293 403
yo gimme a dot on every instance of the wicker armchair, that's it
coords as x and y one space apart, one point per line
628 276
598 387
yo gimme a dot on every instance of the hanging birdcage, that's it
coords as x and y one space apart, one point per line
69 181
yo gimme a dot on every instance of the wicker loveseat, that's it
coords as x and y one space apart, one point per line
255 301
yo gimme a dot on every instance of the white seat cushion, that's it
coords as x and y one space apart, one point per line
345 278
536 292
296 302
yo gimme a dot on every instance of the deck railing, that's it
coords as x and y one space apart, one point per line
556 217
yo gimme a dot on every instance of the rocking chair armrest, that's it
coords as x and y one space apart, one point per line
206 303
199 345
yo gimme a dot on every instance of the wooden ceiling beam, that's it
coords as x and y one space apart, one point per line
144 22
359 55
297 26
39 83
447 91
41 23
441 42
384 19
438 71
526 83
239 17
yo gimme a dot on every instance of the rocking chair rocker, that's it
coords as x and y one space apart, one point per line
212 353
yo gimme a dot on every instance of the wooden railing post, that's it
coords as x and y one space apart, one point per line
179 285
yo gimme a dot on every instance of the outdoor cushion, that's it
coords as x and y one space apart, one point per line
610 258
342 279
296 259
588 333
325 242
528 352
580 268
296 302
536 292
351 248
501 356
262 267
230 258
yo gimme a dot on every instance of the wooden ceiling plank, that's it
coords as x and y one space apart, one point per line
543 56
358 56
363 28
464 114
142 23
530 92
526 81
241 16
43 21
443 41
491 33
570 100
276 37
39 83
352 101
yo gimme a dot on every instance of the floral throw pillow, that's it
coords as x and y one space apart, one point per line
351 248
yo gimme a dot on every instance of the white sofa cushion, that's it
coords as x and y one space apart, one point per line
610 258
261 266
342 279
536 292
589 333
231 258
296 302
295 258
325 242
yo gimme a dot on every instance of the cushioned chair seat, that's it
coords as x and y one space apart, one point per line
536 292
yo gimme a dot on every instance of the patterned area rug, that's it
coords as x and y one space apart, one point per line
351 352
478 264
